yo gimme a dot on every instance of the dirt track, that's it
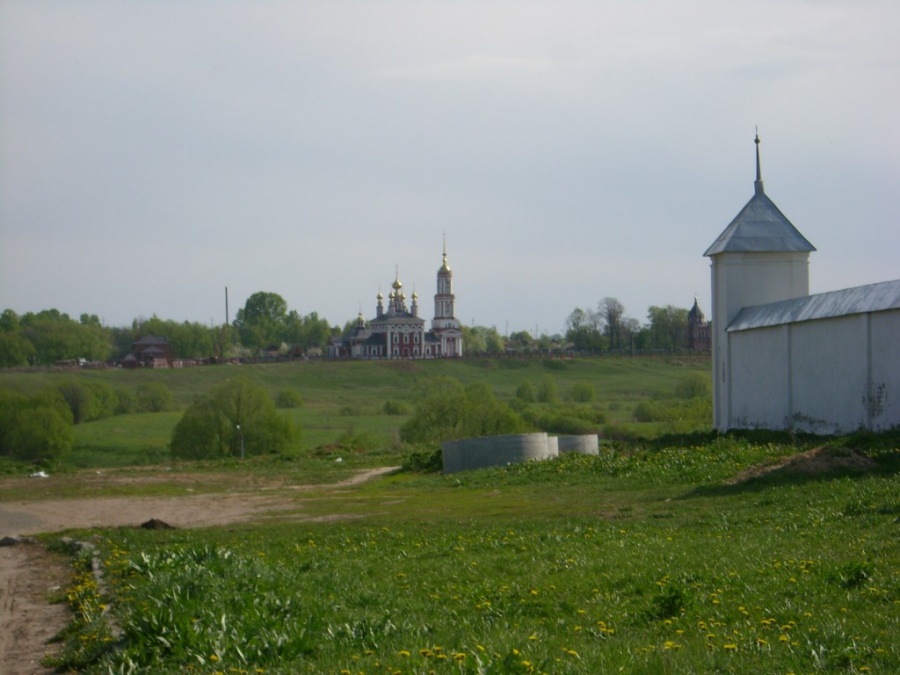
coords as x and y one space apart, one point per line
29 574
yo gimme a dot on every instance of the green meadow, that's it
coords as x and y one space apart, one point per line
672 551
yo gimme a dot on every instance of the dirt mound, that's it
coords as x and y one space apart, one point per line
156 524
821 461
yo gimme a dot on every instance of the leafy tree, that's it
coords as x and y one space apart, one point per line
262 320
480 340
34 428
187 340
583 330
15 349
612 312
55 337
309 331
439 412
238 412
448 411
192 340
668 327
484 415
9 321
520 341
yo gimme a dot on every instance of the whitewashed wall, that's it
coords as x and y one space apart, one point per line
827 376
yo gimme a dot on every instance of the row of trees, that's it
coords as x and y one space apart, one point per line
607 328
265 321
50 336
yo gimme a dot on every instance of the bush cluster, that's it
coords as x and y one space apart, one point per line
236 418
448 410
34 428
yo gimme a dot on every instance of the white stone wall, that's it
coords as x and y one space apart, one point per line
828 376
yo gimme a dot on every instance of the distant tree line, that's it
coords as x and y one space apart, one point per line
265 323
50 336
606 328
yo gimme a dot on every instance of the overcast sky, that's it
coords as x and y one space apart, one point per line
153 153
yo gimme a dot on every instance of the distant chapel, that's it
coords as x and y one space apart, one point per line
397 331
826 363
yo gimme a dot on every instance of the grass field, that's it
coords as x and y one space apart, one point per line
647 561
664 554
342 399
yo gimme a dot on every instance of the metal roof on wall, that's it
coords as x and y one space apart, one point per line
878 297
760 227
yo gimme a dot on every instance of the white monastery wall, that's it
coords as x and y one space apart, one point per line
759 384
827 376
883 400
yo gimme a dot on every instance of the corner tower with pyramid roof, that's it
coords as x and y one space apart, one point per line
759 258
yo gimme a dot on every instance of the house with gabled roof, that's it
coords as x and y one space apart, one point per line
150 350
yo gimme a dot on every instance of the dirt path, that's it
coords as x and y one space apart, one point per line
29 574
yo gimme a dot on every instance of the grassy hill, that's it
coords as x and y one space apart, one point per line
344 401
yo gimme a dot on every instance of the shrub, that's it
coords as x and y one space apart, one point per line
646 411
288 398
548 392
79 399
525 392
693 385
569 420
237 417
582 392
424 462
126 401
105 400
450 411
396 408
35 428
154 397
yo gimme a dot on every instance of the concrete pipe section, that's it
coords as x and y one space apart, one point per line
479 453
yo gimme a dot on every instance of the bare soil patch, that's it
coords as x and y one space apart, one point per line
29 575
820 461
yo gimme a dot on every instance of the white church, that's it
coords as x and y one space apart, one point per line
398 332
827 363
